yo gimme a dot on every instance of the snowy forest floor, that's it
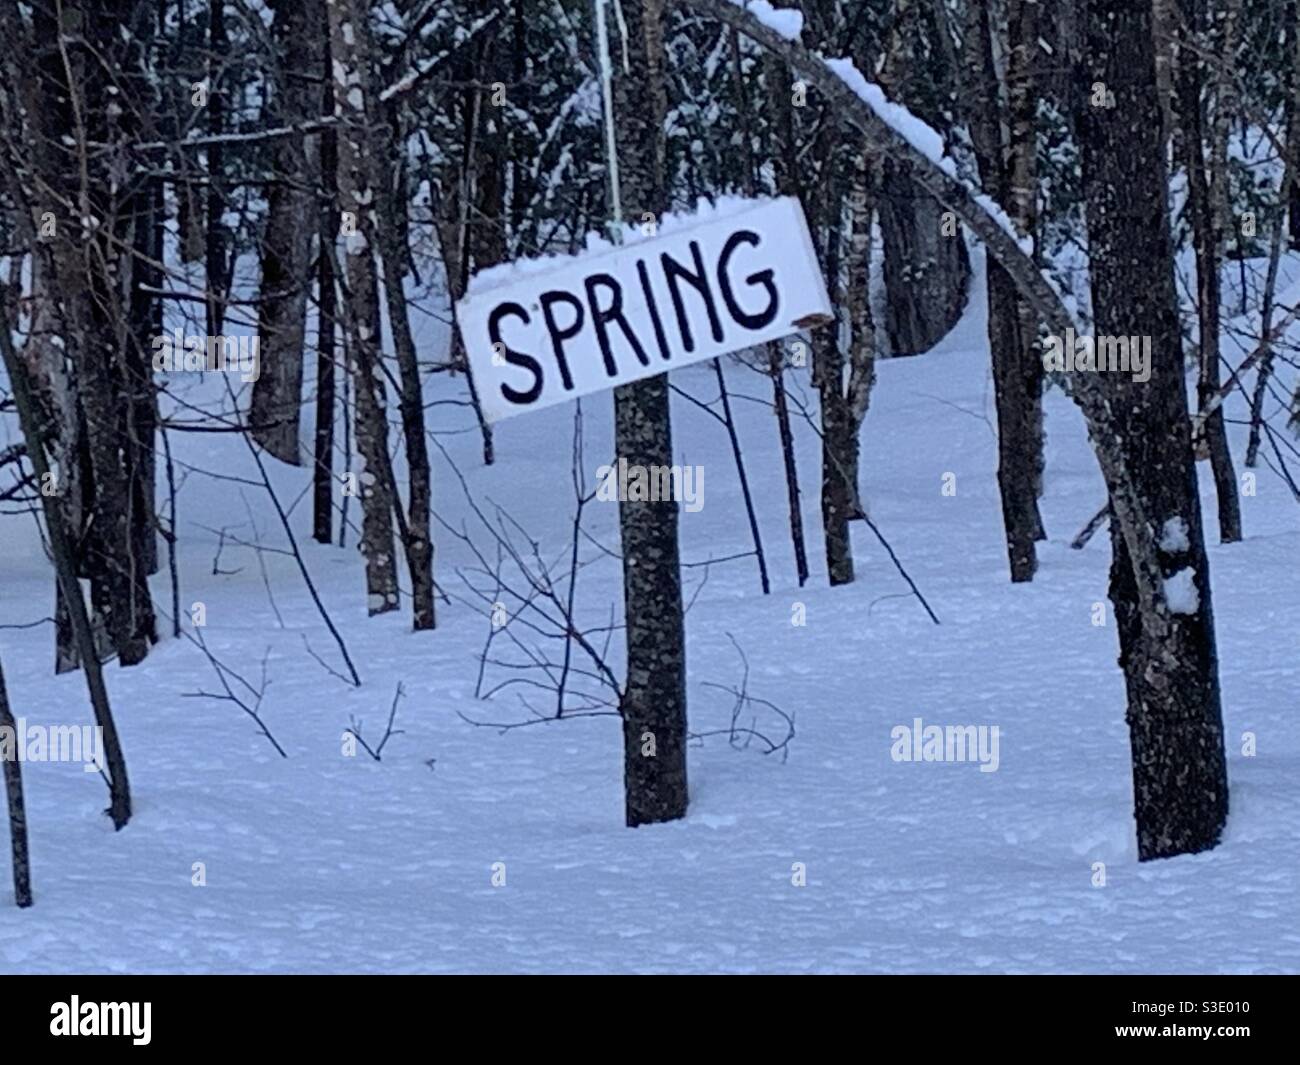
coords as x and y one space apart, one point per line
321 862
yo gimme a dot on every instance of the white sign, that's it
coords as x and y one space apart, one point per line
553 330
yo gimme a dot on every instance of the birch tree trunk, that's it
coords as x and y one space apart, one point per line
357 210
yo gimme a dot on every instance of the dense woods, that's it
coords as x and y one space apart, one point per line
253 222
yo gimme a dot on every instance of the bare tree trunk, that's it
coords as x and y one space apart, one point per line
323 449
730 423
214 245
1139 430
926 273
66 570
455 242
1208 205
54 393
925 268
839 440
782 151
417 535
276 405
1022 197
22 867
102 313
654 696
379 147
1164 22
1007 168
357 197
1167 645
1288 202
793 496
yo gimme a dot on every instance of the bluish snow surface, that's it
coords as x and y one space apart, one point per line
322 862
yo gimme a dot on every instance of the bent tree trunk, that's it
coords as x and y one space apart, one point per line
1182 799
1167 649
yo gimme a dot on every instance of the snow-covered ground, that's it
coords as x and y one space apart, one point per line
322 862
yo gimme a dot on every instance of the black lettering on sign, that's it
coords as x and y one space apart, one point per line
515 358
660 339
675 272
764 277
559 336
613 313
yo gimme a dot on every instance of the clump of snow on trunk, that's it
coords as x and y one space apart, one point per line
1181 593
1174 536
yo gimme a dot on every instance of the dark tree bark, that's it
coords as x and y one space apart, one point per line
654 696
328 224
839 204
375 142
1006 167
1139 431
925 266
1167 645
777 77
66 571
13 771
1291 15
275 411
1290 183
839 440
1207 203
214 241
927 274
103 319
781 404
453 218
417 536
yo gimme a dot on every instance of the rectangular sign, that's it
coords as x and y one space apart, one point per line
544 331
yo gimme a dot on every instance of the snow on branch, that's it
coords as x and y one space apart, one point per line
418 73
917 150
910 141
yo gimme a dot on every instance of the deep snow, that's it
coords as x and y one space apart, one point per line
322 862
